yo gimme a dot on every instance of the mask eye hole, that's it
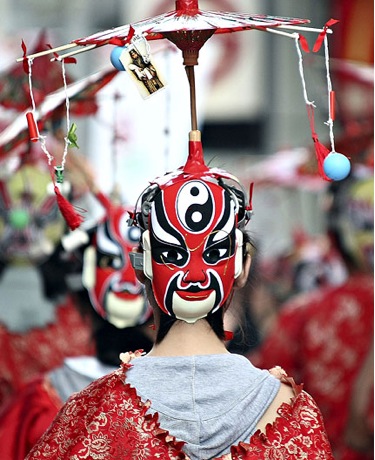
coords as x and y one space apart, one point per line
214 255
172 256
104 262
108 261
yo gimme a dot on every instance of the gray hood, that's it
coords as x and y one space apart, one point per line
76 373
209 401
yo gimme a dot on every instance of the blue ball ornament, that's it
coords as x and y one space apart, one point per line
115 57
336 166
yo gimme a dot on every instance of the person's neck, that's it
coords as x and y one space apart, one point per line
184 339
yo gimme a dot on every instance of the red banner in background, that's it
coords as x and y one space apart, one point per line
354 37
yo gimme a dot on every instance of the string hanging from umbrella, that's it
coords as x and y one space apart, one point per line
331 164
72 218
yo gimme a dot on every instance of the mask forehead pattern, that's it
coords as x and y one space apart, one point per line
194 209
195 206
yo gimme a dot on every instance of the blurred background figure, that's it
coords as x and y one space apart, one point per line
102 283
325 336
39 324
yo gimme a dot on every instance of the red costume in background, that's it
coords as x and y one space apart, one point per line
27 355
322 339
27 418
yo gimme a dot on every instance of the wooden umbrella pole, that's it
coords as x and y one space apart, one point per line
193 103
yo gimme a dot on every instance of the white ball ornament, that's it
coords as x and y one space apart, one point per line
336 166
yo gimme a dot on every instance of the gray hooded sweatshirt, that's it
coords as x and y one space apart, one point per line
210 402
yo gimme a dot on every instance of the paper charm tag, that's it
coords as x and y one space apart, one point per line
144 74
142 47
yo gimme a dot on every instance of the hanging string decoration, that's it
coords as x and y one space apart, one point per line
72 218
332 166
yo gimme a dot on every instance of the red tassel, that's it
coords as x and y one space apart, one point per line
73 219
321 152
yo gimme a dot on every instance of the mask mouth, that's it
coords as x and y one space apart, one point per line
190 310
125 313
194 295
194 302
192 289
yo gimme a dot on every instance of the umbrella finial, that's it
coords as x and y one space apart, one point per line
195 162
187 6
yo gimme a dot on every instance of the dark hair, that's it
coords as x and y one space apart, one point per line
215 320
109 340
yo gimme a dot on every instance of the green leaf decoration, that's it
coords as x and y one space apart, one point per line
72 136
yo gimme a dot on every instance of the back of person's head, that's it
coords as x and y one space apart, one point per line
192 223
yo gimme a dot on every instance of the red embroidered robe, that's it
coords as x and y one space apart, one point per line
108 421
322 338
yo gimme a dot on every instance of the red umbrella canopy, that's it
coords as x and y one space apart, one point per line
188 27
14 83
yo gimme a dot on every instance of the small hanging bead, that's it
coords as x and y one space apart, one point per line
59 173
332 105
33 128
